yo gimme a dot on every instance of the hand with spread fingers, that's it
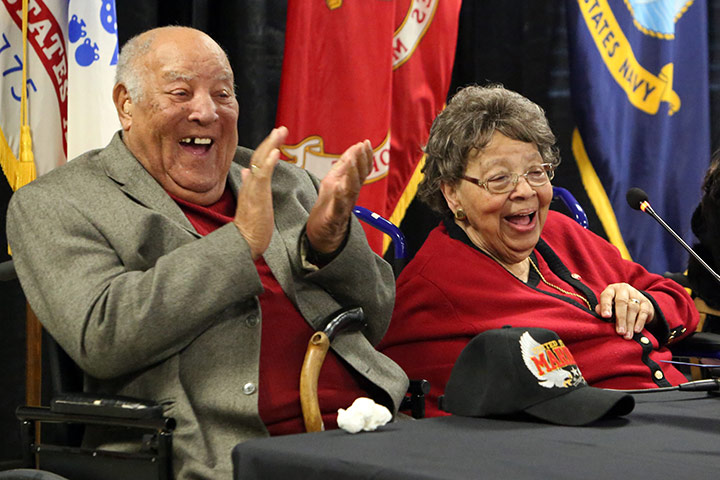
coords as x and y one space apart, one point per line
632 309
254 214
328 222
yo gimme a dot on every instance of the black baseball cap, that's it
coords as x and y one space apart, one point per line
509 370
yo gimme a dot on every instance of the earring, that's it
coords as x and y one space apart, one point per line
460 214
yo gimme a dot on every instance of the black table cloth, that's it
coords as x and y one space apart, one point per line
668 435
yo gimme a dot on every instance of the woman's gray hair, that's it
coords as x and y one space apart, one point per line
468 123
128 69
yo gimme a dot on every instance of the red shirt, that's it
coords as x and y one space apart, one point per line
285 335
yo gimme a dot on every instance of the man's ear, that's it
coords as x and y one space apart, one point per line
123 105
451 196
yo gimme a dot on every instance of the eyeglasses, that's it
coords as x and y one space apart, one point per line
536 176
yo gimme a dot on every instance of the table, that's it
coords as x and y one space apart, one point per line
668 435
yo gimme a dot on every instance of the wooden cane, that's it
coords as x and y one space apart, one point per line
33 365
318 346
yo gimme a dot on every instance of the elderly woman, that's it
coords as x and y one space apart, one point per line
500 257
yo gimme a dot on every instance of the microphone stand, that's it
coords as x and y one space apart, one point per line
645 207
710 385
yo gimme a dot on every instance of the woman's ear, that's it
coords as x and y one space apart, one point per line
451 196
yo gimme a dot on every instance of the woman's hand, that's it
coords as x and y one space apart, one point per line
632 309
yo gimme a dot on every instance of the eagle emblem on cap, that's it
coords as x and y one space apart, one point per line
551 363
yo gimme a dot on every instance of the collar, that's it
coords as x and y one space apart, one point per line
548 254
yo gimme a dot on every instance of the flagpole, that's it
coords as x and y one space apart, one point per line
33 359
26 173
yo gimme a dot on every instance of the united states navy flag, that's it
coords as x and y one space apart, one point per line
640 95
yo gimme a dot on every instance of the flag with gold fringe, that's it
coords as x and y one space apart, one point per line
640 95
58 61
374 69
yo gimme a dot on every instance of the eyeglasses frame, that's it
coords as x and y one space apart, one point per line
549 172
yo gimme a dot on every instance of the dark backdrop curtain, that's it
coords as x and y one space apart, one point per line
519 43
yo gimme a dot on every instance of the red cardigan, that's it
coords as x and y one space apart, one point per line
451 291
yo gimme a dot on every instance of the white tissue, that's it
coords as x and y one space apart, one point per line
363 414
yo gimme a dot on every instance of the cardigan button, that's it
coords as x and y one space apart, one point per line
658 374
252 321
644 340
576 276
249 388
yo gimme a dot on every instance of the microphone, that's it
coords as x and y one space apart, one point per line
706 385
638 200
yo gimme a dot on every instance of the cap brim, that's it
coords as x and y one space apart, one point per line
583 405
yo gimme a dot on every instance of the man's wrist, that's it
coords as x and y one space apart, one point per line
320 259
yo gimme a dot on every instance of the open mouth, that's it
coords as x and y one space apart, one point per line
521 220
197 145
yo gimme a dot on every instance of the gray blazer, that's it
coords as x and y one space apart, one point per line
149 308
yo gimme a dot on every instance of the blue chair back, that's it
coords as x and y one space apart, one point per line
388 228
568 199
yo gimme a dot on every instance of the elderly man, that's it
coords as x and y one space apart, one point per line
168 271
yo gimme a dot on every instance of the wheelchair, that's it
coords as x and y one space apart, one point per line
69 412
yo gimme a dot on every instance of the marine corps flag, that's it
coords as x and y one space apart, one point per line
64 53
375 69
640 95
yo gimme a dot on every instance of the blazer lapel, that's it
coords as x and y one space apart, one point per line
132 178
124 169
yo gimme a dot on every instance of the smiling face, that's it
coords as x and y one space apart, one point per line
183 128
507 225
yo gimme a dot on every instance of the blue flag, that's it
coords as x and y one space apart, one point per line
640 95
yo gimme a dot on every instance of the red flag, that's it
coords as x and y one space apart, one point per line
375 69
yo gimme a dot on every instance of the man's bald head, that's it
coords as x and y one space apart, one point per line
131 68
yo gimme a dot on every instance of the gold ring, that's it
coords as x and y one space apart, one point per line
254 168
635 300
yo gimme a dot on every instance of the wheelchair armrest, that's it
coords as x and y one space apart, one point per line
151 461
98 409
105 405
699 344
